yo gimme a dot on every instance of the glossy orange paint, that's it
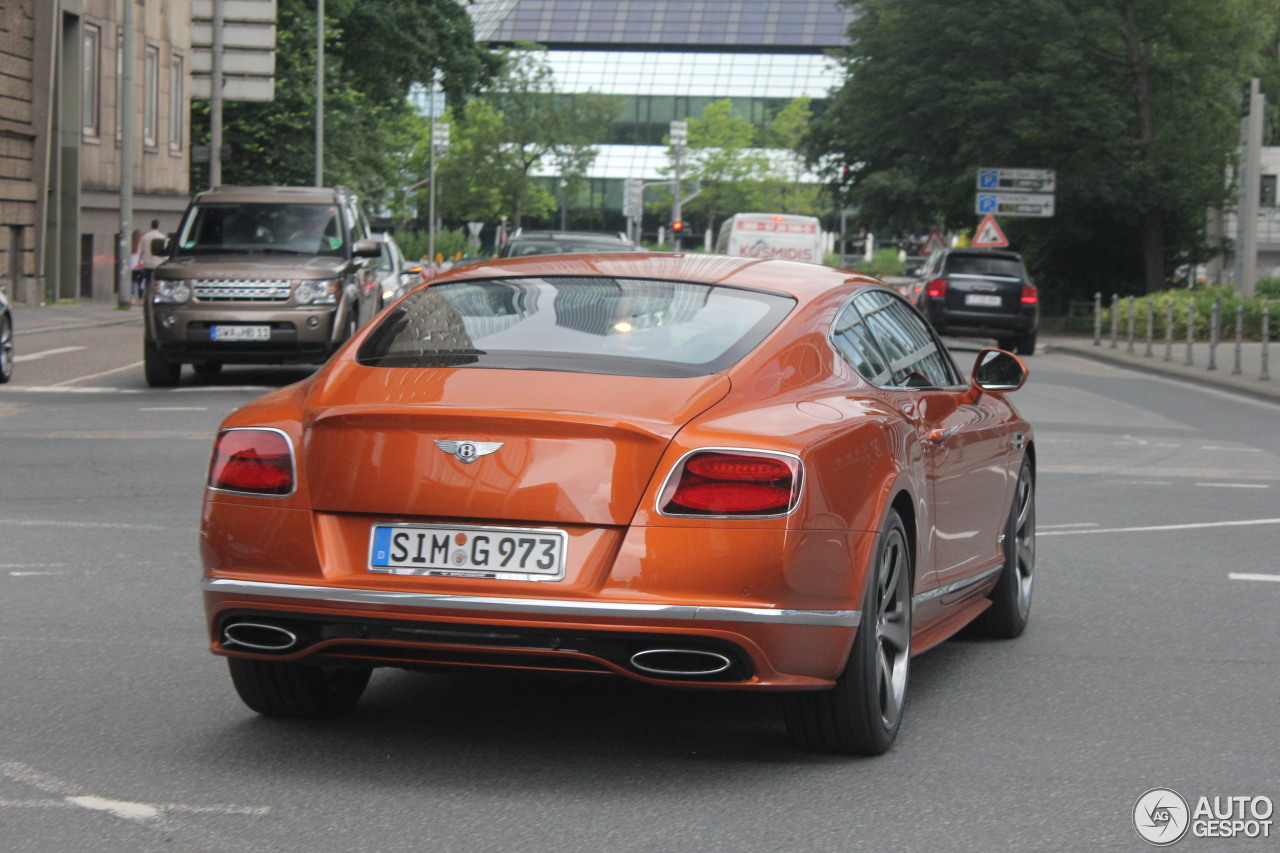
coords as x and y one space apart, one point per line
588 454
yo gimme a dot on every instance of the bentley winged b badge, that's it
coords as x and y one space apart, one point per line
468 451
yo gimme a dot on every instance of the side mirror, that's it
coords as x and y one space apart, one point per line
160 246
367 249
997 370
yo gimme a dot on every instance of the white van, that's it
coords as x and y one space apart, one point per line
788 236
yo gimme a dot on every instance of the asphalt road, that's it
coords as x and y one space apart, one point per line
1152 660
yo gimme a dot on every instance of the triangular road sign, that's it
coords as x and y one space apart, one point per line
933 243
989 235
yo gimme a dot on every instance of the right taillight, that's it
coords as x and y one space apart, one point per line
732 484
1030 296
252 461
936 288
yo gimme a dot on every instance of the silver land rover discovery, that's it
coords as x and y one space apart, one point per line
260 275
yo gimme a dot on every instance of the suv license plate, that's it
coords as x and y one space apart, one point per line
511 553
240 333
984 299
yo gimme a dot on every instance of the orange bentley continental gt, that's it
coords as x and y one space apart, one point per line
688 470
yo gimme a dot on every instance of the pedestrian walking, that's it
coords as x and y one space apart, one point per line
150 260
136 285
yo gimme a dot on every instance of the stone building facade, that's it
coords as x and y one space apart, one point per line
61 129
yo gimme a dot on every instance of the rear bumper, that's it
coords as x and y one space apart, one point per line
951 322
395 628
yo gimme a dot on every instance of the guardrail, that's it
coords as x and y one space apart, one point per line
1214 339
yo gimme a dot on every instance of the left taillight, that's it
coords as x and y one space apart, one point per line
1030 296
732 483
252 461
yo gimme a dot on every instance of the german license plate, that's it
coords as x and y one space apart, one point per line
511 553
240 333
986 300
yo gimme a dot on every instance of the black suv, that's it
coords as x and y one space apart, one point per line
979 293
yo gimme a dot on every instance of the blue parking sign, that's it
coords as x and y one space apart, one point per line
988 179
987 202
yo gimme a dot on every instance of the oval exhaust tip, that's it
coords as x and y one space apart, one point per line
260 637
680 662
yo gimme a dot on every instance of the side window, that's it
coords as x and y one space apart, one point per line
916 357
853 340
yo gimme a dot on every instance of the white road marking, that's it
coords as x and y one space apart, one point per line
42 574
22 566
113 370
1156 527
89 525
1234 485
1245 576
69 794
84 389
1059 526
173 409
36 356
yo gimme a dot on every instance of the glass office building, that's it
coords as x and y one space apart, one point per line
670 59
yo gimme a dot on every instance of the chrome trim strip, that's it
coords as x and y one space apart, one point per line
552 607
954 587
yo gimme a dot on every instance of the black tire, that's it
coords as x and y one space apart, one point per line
1010 608
862 714
6 349
284 689
207 368
160 373
1025 345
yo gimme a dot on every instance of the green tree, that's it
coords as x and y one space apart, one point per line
787 188
1134 103
368 122
543 126
718 157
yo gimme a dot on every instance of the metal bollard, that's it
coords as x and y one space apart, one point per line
1215 332
1115 318
1235 370
1097 318
1191 330
1168 333
1266 339
1151 325
1129 348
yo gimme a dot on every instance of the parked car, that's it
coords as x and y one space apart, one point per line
690 471
6 339
980 293
523 243
260 275
395 274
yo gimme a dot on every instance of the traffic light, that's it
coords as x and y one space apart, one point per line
678 227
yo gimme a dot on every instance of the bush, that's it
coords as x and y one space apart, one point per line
885 262
1202 299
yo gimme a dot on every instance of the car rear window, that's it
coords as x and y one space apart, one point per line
984 265
521 248
630 327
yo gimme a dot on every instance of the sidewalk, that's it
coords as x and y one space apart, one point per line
1247 381
29 319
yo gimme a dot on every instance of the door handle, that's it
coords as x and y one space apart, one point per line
937 436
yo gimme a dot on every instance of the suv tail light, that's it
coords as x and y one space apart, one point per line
252 461
732 484
936 288
1030 296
